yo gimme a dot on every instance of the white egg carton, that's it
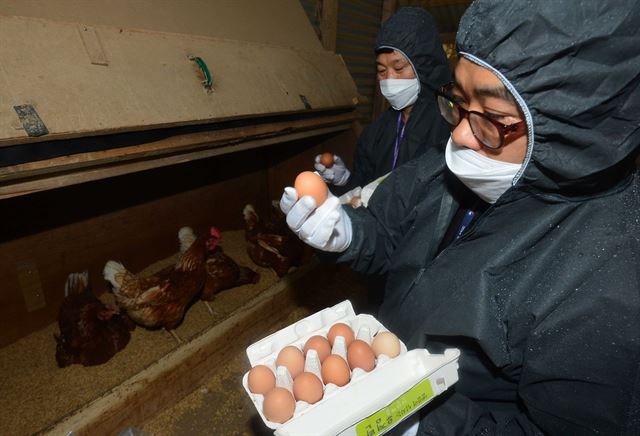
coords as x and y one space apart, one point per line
372 403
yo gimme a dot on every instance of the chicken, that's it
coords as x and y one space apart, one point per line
91 332
224 273
272 244
160 301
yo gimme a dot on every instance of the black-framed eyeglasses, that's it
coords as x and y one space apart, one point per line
491 133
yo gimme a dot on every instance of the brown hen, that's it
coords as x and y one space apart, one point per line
91 332
224 273
272 244
160 300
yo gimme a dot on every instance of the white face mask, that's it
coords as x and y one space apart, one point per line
400 93
488 178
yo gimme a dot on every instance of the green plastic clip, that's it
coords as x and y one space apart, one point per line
208 80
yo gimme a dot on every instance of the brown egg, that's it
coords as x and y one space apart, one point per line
320 344
335 370
308 183
291 357
340 329
360 355
386 343
261 379
326 159
308 387
279 405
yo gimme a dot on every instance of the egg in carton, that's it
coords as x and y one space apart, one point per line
369 402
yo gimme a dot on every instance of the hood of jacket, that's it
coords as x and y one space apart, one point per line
577 71
413 31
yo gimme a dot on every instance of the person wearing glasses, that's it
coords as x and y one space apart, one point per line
519 245
411 65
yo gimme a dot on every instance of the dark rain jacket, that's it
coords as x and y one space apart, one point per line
413 32
542 293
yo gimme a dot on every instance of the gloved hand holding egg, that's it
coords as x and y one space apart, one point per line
332 169
316 215
352 198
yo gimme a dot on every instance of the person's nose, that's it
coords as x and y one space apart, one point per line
463 135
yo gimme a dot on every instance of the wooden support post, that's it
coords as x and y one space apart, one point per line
389 7
329 23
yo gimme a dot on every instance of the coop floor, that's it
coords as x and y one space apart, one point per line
221 406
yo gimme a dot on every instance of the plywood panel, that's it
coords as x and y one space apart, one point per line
150 82
278 22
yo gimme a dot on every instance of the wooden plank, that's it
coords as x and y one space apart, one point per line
372 7
151 82
66 179
380 104
69 170
329 24
363 27
355 14
183 370
172 144
359 69
361 59
356 39
389 7
280 22
437 3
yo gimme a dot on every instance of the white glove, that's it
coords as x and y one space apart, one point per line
327 228
369 189
352 198
338 174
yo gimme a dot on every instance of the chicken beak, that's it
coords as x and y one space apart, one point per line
212 243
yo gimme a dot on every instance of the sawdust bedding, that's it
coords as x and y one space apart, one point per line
35 393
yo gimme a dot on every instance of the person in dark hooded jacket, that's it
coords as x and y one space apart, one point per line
411 65
520 245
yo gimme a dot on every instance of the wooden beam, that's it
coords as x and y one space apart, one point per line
389 7
436 3
448 37
329 24
79 168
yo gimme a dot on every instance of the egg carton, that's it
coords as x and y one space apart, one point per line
372 403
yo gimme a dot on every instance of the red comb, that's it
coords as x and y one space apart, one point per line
216 233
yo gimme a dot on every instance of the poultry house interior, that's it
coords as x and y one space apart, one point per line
147 121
